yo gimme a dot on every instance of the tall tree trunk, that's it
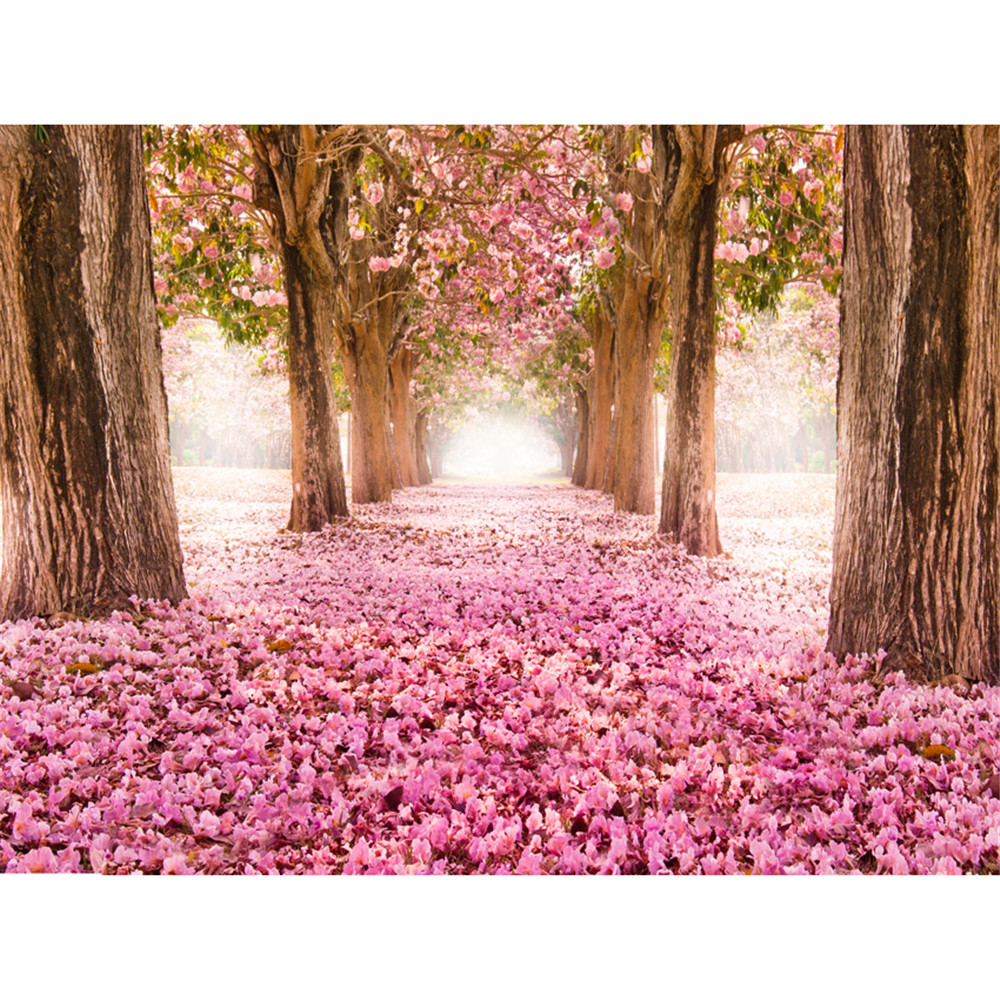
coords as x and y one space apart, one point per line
401 414
602 397
367 369
87 513
916 548
608 481
694 157
420 434
318 490
582 439
637 343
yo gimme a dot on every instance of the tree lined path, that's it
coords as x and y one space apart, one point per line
351 672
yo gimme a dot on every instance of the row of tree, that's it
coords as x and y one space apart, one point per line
85 492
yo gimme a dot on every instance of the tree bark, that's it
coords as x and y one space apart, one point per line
582 440
637 343
916 549
608 484
602 396
307 197
420 433
87 515
638 318
365 343
318 489
402 416
694 163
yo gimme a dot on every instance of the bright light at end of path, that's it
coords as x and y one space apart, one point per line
501 449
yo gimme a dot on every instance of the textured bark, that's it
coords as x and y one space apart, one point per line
306 196
401 413
420 433
366 367
318 490
601 398
87 513
916 551
637 343
582 440
608 486
694 161
638 313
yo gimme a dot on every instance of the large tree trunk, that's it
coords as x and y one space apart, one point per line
694 160
420 434
602 397
366 366
318 491
637 343
582 439
402 417
87 512
916 548
307 198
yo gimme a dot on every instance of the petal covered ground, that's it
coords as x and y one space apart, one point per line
483 678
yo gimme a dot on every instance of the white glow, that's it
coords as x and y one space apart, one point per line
501 448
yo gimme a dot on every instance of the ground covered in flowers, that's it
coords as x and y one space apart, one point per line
485 678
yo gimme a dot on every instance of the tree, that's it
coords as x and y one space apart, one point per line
303 179
403 415
248 238
87 514
916 550
695 163
639 311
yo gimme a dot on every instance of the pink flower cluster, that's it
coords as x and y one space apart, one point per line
484 680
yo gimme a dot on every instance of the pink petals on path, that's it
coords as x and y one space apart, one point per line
485 679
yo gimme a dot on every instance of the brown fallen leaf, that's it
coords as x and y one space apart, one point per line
24 691
936 751
394 797
993 784
279 646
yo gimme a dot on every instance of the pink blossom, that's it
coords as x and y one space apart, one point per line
604 258
375 192
379 263
176 864
623 201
